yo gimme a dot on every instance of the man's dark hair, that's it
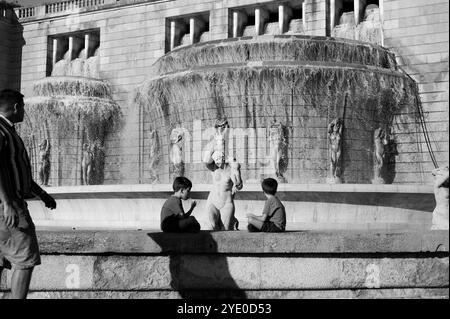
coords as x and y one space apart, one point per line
9 97
181 182
269 186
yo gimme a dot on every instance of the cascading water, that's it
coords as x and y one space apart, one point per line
80 66
73 111
300 83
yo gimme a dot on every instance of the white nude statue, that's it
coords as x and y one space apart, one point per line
440 213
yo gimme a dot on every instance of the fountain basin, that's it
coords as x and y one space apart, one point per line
302 83
308 206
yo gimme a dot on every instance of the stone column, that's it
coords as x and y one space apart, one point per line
192 30
332 14
86 45
261 17
381 6
284 16
55 51
196 27
70 48
239 20
173 26
358 10
304 15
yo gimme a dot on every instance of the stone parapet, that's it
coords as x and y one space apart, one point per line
308 206
141 264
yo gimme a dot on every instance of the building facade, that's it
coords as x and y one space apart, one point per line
128 36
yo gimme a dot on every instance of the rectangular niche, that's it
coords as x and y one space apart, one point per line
357 20
187 30
271 18
352 11
69 48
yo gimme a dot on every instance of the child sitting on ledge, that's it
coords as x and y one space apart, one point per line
273 219
173 217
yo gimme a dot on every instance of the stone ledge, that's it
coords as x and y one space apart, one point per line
242 242
239 273
248 187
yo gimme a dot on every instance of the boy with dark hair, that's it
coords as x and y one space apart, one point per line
173 217
273 219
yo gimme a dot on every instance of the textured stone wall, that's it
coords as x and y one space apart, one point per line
417 31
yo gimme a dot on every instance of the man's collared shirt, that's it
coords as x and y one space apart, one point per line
14 162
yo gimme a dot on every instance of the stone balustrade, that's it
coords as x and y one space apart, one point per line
71 5
68 6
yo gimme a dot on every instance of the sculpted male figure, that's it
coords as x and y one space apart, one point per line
227 181
275 153
440 213
19 247
380 140
153 156
86 164
335 137
277 142
44 162
176 151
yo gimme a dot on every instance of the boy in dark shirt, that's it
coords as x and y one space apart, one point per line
273 219
173 217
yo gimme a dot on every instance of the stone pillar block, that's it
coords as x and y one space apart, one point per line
333 14
304 15
86 45
55 51
261 17
284 17
173 31
358 10
239 21
196 27
70 48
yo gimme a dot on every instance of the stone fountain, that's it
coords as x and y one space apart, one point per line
73 111
300 83
319 114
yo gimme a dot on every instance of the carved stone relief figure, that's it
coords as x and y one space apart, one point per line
154 155
380 141
44 162
278 148
176 152
87 163
335 129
